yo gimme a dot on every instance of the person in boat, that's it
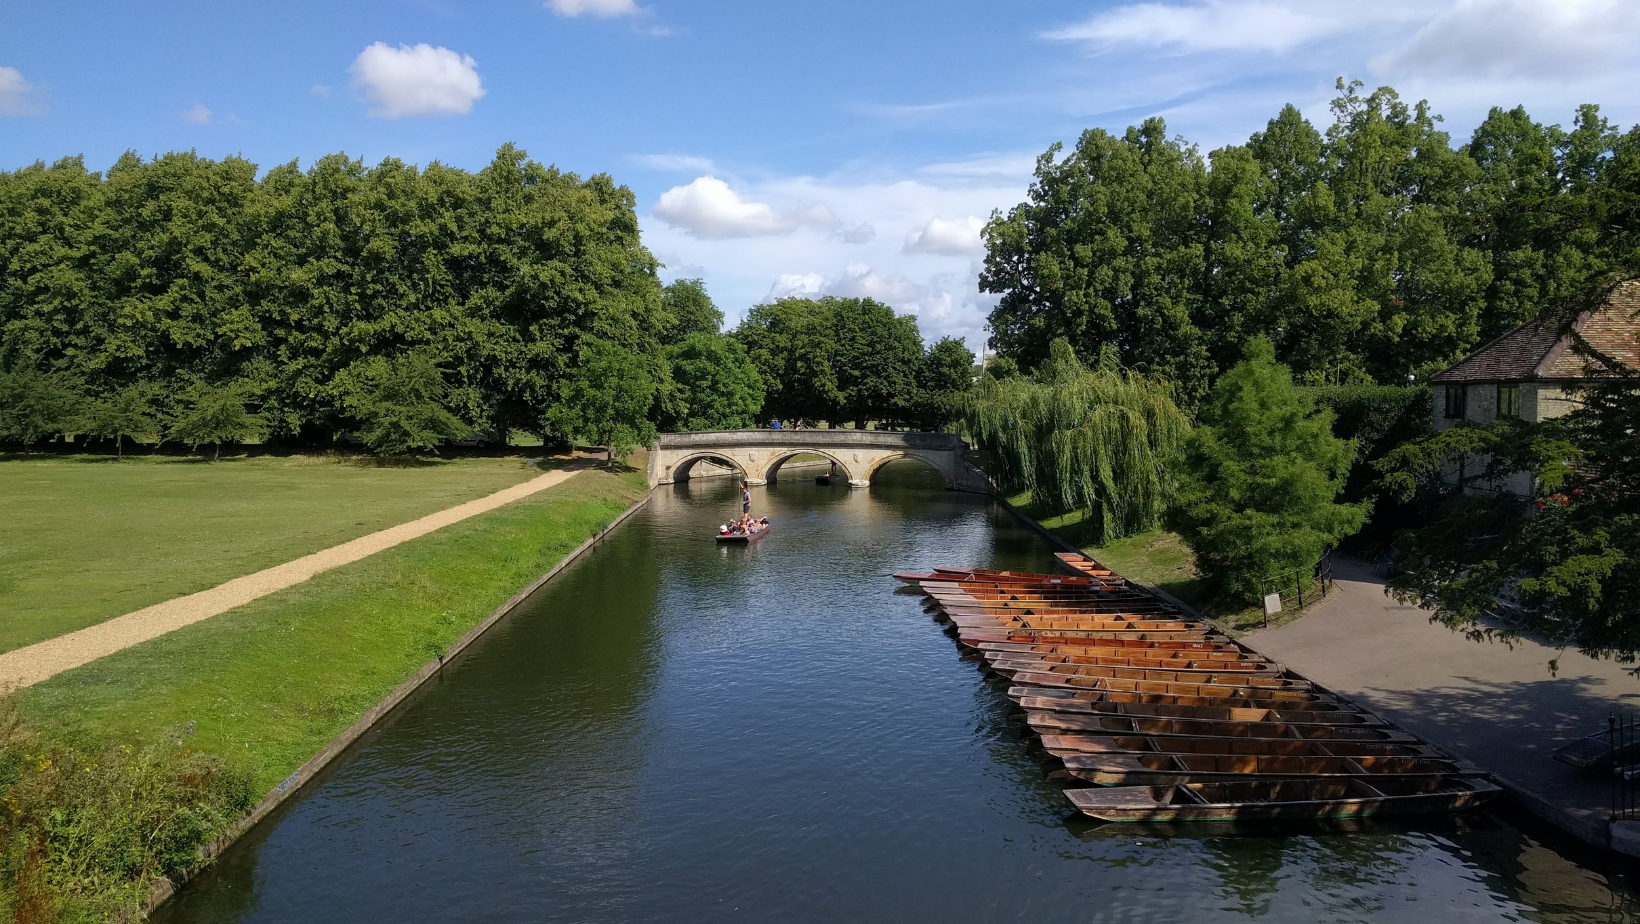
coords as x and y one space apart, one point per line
745 500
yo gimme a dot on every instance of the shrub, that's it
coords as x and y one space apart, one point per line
86 831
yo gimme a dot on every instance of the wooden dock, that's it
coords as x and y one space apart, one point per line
1174 721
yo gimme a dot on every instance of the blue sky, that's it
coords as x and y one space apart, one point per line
823 147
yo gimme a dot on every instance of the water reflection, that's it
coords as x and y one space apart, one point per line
675 731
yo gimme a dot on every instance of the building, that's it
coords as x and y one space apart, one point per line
1531 372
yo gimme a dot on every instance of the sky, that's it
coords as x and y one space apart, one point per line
775 149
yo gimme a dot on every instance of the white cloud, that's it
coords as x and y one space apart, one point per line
601 8
1521 38
1020 165
862 233
801 285
416 80
1208 25
18 97
681 163
956 238
708 208
320 90
197 114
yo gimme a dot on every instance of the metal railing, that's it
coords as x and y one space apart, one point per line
1299 581
1623 749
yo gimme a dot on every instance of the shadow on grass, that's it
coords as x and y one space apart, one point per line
181 455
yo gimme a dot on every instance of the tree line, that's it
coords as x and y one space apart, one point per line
1374 252
406 307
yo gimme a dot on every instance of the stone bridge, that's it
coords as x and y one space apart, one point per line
757 455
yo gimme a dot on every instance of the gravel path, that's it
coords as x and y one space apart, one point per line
34 663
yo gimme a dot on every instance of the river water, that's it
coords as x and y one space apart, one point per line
677 732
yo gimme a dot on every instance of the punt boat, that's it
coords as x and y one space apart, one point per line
1332 798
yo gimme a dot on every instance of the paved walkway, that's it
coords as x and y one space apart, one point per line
29 665
1496 705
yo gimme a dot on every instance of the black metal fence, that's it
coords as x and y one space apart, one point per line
1314 581
1623 748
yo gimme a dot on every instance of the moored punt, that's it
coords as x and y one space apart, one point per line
1184 660
1043 580
1170 628
1209 690
1159 675
1147 668
1064 746
1224 710
1073 699
973 638
1162 769
1047 723
1071 619
1348 798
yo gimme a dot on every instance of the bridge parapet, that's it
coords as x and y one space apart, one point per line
758 454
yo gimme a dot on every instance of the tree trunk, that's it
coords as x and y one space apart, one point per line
119 445
217 454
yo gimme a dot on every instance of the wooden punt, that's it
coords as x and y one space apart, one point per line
743 538
1347 798
1164 629
1164 769
1042 580
1055 608
973 638
1314 712
1271 695
1066 614
1244 672
1075 745
1049 723
1161 675
1083 654
1146 651
1070 621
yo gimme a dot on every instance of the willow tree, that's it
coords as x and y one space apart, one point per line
1095 440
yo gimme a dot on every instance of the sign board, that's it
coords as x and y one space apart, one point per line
1272 604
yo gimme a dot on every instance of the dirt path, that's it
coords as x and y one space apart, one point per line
31 664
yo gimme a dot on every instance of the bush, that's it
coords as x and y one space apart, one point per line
86 831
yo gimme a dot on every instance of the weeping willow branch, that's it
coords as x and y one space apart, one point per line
1095 440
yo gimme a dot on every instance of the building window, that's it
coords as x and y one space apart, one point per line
1455 402
1508 400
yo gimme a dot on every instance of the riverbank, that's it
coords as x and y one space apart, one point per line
266 686
88 538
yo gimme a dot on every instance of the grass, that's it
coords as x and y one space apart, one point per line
87 538
266 685
1159 558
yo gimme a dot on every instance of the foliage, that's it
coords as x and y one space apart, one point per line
1095 439
792 342
35 404
689 310
607 399
719 388
181 270
127 413
877 357
1369 253
86 831
1259 478
401 403
1561 565
215 415
946 374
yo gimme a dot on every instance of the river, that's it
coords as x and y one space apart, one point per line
673 731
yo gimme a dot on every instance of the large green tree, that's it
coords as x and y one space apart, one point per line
1259 478
793 344
718 387
877 359
607 399
400 404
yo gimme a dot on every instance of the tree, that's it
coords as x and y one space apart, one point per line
216 414
877 358
1259 478
689 310
401 405
128 412
34 404
607 399
1095 440
946 374
792 342
718 387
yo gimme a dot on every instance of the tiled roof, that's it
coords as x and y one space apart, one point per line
1535 350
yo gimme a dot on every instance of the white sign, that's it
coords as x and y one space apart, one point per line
1272 604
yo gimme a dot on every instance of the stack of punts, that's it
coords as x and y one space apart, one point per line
1172 720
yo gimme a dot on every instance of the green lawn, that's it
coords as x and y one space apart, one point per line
85 538
1158 558
268 684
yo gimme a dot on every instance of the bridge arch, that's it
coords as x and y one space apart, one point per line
776 460
943 470
682 468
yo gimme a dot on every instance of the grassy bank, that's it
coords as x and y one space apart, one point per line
1158 558
265 686
87 538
